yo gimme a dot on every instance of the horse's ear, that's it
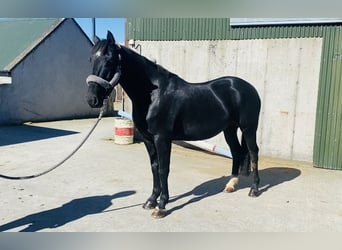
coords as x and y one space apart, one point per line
110 37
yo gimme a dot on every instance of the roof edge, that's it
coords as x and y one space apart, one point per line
83 32
28 50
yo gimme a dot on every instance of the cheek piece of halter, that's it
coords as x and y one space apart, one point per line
108 86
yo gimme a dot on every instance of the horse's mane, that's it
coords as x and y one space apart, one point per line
102 46
148 63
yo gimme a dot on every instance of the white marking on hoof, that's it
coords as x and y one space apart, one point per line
159 213
230 186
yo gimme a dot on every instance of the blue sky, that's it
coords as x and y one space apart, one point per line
115 25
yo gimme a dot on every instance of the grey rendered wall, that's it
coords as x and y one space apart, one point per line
49 84
284 71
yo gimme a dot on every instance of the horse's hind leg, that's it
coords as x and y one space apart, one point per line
245 164
250 139
230 135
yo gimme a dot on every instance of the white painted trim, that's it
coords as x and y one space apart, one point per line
5 80
280 21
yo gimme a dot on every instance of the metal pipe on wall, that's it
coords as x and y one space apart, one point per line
94 28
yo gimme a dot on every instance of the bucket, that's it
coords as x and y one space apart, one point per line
123 131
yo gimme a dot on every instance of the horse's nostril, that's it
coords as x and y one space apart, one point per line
95 101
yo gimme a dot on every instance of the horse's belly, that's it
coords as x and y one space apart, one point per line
199 126
193 135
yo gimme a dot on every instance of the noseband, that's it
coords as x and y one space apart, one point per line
104 83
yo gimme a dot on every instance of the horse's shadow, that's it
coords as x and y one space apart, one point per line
269 178
64 214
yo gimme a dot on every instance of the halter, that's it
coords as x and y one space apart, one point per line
104 83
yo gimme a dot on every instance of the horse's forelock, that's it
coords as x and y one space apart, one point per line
100 47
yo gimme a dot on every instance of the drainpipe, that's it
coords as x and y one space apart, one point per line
94 28
211 148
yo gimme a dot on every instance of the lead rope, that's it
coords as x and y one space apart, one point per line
66 158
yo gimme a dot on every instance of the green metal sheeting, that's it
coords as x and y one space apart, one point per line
328 132
175 29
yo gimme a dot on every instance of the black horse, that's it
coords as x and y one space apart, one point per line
167 108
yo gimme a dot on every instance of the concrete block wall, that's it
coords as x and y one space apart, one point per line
284 71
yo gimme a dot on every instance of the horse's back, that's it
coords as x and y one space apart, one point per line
244 99
204 109
236 92
236 84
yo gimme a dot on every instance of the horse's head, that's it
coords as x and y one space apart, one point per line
106 66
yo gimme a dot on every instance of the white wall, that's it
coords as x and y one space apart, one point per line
284 71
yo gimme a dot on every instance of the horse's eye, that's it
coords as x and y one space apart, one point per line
90 59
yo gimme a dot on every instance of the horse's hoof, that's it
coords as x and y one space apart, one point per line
230 186
229 189
159 213
253 193
149 205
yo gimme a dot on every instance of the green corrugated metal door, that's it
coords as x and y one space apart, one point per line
328 135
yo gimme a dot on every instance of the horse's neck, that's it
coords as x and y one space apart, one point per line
135 76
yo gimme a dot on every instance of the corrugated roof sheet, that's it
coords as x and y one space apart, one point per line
19 36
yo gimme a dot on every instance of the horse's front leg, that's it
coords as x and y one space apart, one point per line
151 202
163 147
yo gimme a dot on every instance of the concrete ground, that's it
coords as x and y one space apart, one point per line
103 186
